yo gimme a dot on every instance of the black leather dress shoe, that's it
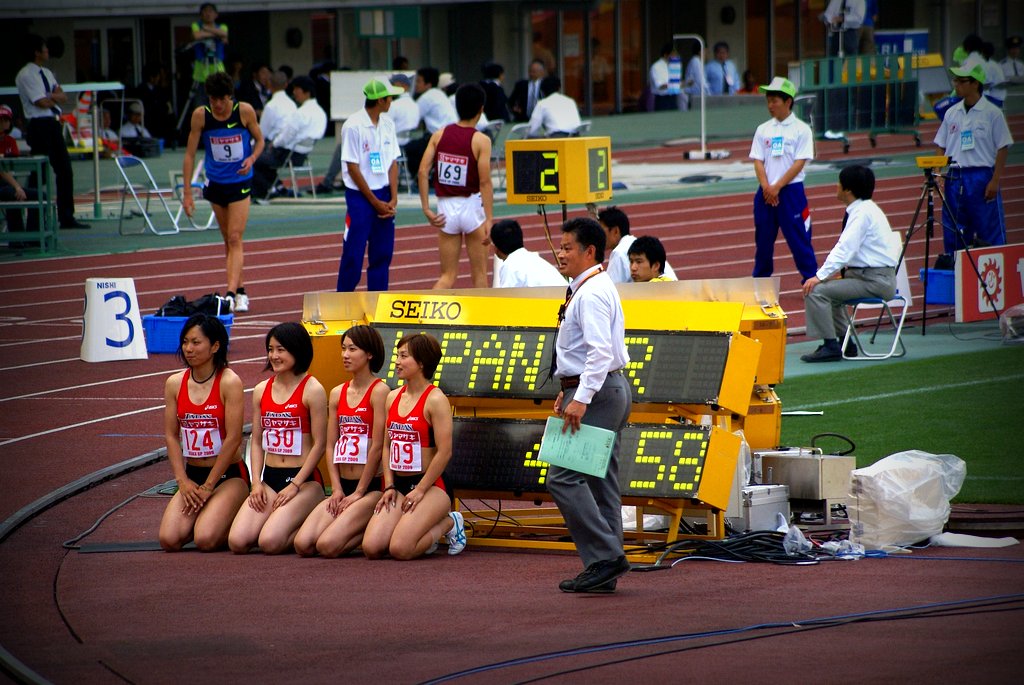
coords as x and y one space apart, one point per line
850 350
74 223
823 354
598 578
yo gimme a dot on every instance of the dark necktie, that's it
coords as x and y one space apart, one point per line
561 318
46 84
846 217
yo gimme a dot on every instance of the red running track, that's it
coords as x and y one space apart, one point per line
63 419
52 401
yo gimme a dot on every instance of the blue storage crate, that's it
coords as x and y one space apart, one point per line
163 332
941 286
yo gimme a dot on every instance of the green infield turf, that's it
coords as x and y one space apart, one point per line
970 405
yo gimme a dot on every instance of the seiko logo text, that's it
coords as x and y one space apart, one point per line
425 311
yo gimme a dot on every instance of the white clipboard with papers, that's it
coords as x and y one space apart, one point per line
588 450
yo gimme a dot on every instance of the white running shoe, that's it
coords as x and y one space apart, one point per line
241 302
456 537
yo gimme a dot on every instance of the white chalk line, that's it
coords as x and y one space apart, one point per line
908 391
71 388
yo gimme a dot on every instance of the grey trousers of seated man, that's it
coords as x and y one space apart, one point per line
825 313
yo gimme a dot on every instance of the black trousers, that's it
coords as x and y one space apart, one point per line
264 171
45 135
15 222
414 151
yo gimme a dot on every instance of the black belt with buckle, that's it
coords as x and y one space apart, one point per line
574 381
569 382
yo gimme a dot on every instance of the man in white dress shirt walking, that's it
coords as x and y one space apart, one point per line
590 353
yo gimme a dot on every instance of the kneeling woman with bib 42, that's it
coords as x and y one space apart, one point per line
355 428
415 509
288 438
203 413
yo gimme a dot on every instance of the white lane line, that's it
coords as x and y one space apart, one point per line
69 388
908 391
78 337
101 419
79 425
1000 478
46 363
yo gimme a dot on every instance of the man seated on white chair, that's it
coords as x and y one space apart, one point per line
863 258
307 123
556 114
134 128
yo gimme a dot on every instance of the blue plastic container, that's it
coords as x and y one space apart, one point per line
163 332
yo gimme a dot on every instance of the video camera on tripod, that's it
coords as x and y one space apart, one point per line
210 49
930 188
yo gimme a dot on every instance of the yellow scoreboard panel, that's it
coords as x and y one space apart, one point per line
559 170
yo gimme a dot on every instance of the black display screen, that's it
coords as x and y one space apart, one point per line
655 460
599 159
512 362
535 172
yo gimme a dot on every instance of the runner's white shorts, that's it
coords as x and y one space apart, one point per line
462 215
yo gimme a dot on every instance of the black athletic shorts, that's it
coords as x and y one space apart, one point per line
406 484
349 485
279 478
199 474
223 194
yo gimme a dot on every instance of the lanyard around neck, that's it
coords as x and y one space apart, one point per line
572 293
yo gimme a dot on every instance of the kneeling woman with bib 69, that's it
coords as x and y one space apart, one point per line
414 510
288 438
203 413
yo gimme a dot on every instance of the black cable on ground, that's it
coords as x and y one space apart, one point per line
797 628
938 609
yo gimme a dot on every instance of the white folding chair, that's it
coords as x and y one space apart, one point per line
516 132
197 182
305 168
493 129
583 129
404 175
143 185
901 299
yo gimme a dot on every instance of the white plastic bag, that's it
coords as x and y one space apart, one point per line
903 499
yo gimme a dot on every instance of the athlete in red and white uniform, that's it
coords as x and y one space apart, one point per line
465 196
356 432
203 410
414 510
288 437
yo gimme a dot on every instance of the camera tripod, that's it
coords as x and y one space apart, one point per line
929 189
196 93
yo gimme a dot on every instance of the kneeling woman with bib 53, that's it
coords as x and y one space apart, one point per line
288 438
355 429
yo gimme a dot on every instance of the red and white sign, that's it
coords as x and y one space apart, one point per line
1002 268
